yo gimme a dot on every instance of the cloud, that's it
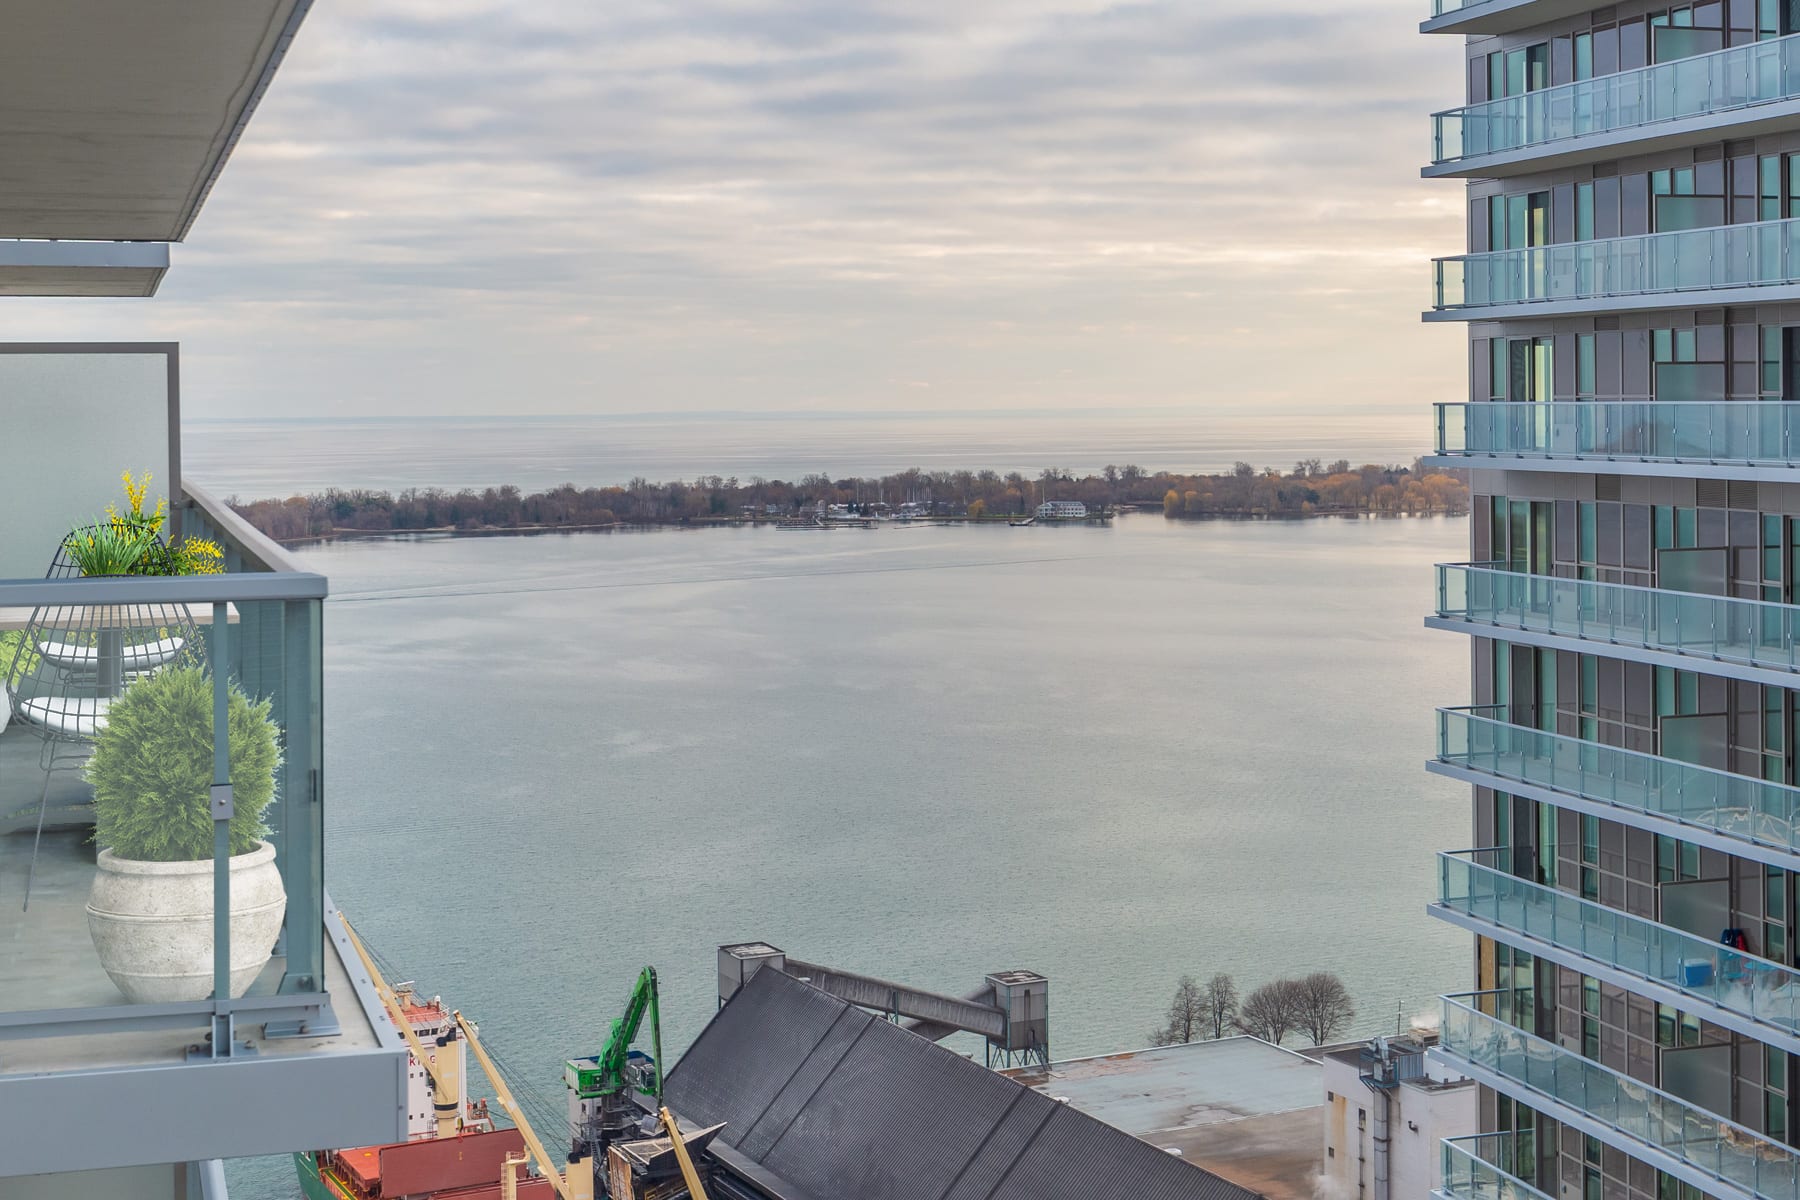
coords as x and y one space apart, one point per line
484 207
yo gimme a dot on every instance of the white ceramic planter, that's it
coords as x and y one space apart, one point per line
152 923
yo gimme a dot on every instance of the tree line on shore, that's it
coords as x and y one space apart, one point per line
1316 1004
1311 487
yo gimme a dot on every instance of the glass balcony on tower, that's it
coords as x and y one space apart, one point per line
1638 436
1487 1167
1727 93
1647 1123
1736 813
1722 264
1478 890
168 948
1743 639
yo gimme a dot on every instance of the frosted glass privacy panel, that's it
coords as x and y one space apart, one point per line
72 417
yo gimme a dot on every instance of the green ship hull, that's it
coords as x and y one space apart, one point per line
311 1186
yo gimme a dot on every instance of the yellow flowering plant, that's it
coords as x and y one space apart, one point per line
186 556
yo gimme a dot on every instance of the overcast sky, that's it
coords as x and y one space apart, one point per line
462 206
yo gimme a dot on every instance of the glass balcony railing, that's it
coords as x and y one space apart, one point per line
1636 1112
1715 82
109 694
1736 806
1758 254
1718 629
1479 884
1744 432
1486 1167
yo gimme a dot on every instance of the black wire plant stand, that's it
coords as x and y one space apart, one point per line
74 660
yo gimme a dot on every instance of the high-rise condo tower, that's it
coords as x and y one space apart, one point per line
1631 289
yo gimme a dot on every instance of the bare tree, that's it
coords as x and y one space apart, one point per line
1272 1011
1221 1003
1187 1015
1325 1007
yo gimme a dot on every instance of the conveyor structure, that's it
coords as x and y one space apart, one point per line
1010 1011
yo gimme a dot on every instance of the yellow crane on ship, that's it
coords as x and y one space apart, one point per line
578 1182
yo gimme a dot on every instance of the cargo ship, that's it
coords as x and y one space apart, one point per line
455 1155
455 1150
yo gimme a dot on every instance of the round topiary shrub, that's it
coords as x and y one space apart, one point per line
152 769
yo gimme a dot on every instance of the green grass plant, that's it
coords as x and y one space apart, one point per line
109 547
152 769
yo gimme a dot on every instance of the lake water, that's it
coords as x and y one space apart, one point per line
1112 755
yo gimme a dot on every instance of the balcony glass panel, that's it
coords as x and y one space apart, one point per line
1479 884
80 659
1633 1110
1760 254
1487 1167
1756 433
1721 81
1715 628
1734 805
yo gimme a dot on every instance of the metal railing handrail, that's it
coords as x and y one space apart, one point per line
1743 1132
1625 589
1576 85
1709 258
1729 777
1746 432
1691 944
258 550
230 588
1729 790
1661 235
1643 76
1451 1149
1629 402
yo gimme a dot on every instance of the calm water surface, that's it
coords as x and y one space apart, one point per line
1109 755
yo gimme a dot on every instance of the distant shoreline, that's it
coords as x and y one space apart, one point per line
1312 489
625 527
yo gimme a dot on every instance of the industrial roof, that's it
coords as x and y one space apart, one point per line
1242 1108
1180 1087
823 1100
115 118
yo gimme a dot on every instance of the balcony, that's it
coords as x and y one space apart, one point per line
1752 995
286 1051
1742 639
1736 92
1497 16
1713 1154
1717 439
1728 264
1481 1168
1737 814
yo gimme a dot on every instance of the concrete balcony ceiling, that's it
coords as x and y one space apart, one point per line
118 117
1502 16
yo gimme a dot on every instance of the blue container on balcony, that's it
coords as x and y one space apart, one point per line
1696 973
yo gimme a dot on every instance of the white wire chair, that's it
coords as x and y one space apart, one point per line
73 661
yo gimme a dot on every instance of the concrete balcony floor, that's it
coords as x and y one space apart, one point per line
46 957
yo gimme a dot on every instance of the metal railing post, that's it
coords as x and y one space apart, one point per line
222 812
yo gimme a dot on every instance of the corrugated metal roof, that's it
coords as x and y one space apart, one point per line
834 1102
